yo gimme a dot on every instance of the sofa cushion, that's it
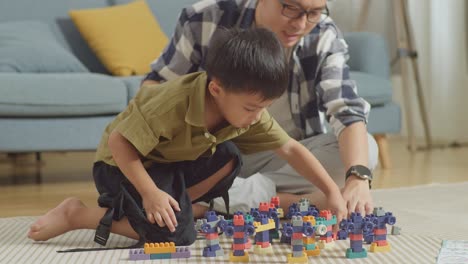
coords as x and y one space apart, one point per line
376 90
30 46
59 95
126 38
133 84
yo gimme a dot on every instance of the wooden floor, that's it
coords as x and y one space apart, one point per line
69 174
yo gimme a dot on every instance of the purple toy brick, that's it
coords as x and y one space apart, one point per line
183 252
138 254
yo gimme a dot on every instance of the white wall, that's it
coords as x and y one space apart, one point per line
441 40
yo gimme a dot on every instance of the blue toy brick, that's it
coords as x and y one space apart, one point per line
356 243
369 238
239 240
207 252
342 235
297 247
239 228
357 249
138 254
286 240
238 253
380 237
161 256
214 247
297 254
298 229
211 216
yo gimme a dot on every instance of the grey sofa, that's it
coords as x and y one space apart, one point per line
67 111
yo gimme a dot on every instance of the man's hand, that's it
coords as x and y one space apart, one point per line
159 209
357 196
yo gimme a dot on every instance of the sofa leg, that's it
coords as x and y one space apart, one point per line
19 162
384 153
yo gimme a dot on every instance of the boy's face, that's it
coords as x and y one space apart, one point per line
239 109
273 15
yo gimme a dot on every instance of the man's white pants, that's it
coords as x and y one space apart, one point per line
264 174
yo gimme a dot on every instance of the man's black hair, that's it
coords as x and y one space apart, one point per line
251 60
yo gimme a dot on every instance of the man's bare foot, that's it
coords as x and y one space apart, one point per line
57 221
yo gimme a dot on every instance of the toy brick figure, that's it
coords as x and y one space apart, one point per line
179 142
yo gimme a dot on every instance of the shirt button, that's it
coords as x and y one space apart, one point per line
207 135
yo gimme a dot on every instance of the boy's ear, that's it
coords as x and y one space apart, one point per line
215 88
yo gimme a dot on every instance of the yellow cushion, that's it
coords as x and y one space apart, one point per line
125 38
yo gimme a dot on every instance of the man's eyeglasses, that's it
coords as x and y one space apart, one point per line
295 12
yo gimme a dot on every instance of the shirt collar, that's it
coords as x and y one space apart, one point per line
196 105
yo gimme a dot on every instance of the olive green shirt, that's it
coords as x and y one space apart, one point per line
165 123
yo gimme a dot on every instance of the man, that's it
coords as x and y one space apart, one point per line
319 91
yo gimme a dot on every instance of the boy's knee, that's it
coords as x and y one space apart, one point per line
229 152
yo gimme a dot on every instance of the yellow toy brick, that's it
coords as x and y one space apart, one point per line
157 248
375 248
302 259
263 251
260 228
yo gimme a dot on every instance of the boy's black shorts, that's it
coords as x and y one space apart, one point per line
117 193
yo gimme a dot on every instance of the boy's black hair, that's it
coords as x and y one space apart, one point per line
251 60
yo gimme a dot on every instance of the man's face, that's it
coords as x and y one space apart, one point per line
270 14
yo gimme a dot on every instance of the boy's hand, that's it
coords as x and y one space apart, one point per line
159 209
337 206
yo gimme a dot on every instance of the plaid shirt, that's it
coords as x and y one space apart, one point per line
320 89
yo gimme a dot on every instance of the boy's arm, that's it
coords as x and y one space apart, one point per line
310 168
157 203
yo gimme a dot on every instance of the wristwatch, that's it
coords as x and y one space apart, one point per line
360 171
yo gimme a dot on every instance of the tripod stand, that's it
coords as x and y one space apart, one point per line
407 57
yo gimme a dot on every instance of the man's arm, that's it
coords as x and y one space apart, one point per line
148 81
310 168
354 150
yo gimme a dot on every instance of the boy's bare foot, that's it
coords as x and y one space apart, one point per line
57 221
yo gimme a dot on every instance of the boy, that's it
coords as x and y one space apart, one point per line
187 134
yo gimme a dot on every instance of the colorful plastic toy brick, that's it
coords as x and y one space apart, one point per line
325 220
381 218
355 226
296 230
271 211
240 230
210 226
396 230
179 252
156 248
303 208
310 245
263 224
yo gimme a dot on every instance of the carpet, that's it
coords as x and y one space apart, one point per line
439 210
426 214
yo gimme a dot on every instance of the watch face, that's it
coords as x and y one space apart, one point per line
361 171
